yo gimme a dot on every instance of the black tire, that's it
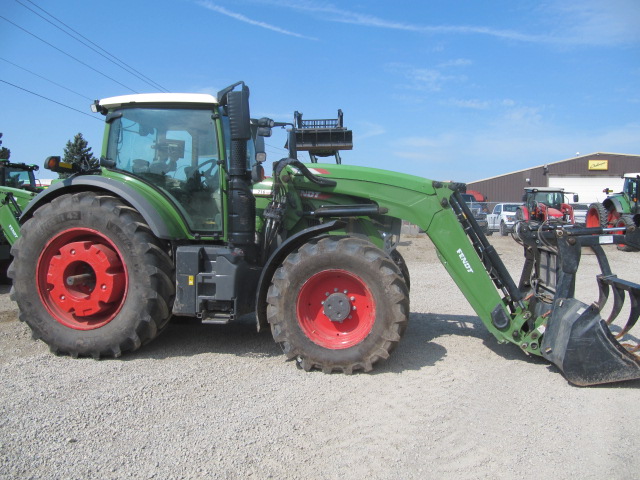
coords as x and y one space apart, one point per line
504 231
108 243
626 221
398 259
597 216
303 284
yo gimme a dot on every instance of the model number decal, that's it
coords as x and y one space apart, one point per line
312 194
465 262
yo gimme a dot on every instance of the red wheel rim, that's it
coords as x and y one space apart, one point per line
335 309
81 279
593 218
613 219
619 222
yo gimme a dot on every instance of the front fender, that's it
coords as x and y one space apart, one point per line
277 257
154 208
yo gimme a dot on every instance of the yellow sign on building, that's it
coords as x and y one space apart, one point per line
598 164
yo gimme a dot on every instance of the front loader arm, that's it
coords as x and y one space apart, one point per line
436 208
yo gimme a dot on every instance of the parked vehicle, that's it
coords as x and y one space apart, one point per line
618 210
479 210
168 224
18 186
546 204
502 218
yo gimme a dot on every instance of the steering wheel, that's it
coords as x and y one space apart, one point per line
209 179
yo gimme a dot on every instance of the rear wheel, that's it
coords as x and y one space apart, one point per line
90 278
338 304
596 216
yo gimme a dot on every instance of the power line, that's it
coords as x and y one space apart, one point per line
67 54
47 79
46 98
119 63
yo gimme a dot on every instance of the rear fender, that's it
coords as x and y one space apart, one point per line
162 226
277 257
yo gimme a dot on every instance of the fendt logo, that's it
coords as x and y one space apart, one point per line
465 262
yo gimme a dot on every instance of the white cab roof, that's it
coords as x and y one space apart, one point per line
142 98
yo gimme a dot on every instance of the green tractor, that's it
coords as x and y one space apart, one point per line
18 186
619 210
178 220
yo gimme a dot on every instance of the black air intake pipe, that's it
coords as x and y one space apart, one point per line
242 203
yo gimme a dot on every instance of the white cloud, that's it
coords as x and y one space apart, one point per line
458 62
503 147
594 22
575 22
473 104
369 130
242 18
428 79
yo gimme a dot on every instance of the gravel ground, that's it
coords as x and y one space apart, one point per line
211 401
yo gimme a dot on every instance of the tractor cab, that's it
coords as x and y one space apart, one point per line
178 143
18 175
631 190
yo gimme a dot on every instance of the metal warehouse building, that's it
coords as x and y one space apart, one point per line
586 175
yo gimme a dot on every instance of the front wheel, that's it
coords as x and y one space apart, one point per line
338 303
90 278
625 221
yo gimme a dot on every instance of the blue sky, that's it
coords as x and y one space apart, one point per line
449 90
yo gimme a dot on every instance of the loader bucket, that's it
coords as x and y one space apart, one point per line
588 349
578 341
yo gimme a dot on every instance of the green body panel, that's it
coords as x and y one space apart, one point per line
622 203
9 224
164 207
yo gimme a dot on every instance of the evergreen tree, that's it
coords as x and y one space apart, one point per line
79 153
5 153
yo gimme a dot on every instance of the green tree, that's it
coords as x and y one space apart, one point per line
5 153
79 153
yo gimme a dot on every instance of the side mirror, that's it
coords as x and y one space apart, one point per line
261 154
264 131
576 198
257 173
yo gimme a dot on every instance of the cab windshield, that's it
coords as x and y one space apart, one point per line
551 199
176 150
17 178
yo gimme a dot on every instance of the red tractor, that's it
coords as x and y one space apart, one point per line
546 204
